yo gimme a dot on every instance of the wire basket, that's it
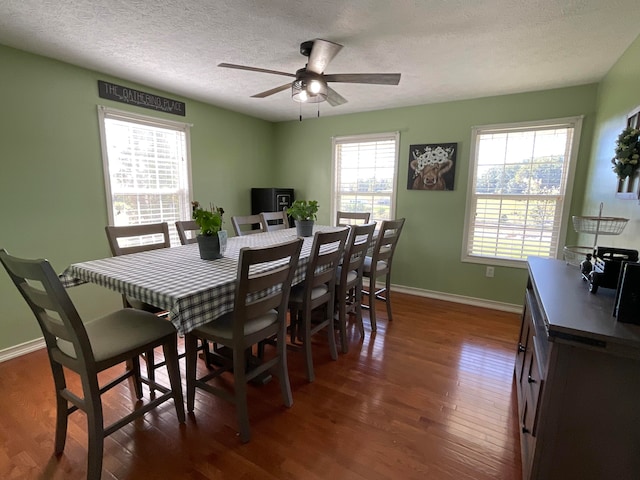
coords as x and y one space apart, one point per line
573 255
599 225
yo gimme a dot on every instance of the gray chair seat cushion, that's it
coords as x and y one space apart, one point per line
367 265
351 276
297 293
223 327
107 338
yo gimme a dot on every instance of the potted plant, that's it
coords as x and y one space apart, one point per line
212 240
627 156
304 213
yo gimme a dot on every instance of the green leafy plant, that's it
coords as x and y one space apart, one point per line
209 221
625 162
303 210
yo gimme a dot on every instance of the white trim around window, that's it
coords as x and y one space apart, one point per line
365 174
519 191
147 168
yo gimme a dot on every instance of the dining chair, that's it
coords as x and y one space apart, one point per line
187 230
317 290
352 218
379 264
259 313
349 279
90 348
248 224
275 220
126 239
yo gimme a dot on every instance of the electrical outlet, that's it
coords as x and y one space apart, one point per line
489 272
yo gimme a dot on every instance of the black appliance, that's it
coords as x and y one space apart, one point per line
271 200
608 267
627 304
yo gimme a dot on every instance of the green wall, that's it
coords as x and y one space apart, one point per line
429 252
52 200
618 94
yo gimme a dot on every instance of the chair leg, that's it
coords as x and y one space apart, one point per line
342 321
62 409
137 383
240 390
333 350
191 357
306 332
387 295
149 358
95 427
170 350
358 303
372 303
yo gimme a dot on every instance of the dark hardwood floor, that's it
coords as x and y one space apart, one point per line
429 396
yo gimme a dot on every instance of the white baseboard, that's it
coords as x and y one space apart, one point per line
22 349
450 297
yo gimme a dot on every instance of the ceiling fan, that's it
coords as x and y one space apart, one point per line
310 84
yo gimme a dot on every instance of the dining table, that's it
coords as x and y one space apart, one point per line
176 279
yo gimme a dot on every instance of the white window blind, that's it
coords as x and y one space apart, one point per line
365 170
519 180
147 169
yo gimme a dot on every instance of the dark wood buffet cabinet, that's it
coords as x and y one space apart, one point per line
577 375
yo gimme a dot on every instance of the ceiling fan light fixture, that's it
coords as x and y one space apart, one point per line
311 92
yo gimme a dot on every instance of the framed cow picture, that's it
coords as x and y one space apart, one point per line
432 166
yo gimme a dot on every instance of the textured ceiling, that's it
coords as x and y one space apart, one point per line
445 50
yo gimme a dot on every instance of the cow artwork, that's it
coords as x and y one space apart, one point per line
432 166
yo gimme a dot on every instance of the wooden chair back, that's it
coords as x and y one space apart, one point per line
141 238
352 218
385 246
187 230
326 253
48 300
275 220
265 276
359 241
247 225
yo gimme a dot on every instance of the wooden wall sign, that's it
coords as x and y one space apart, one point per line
130 96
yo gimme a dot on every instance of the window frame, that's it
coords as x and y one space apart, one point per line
476 131
105 113
363 138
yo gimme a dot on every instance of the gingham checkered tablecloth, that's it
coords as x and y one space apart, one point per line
194 291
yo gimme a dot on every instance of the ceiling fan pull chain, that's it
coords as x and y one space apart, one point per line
300 107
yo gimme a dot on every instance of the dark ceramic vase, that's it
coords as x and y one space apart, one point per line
212 246
304 228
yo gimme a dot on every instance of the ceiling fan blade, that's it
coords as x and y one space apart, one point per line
322 53
254 69
334 98
272 91
376 78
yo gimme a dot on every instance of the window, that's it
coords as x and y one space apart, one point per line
365 169
520 180
147 169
